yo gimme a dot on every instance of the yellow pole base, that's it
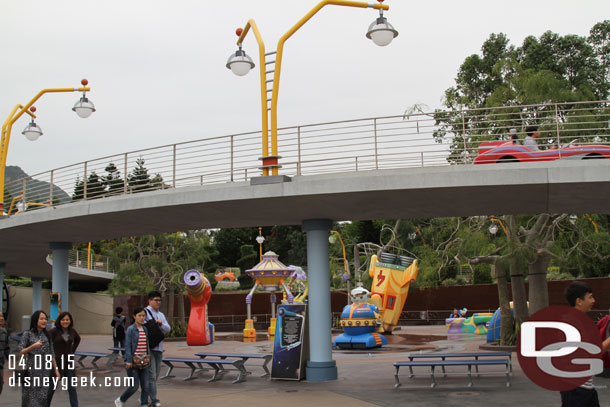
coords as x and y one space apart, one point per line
271 329
249 331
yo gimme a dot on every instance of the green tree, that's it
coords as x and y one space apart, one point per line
113 181
139 179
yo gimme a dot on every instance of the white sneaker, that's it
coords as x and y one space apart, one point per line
118 402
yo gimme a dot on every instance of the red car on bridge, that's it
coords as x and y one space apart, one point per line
507 151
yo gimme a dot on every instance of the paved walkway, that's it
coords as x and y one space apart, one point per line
365 379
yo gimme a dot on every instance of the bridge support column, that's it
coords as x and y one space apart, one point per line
2 285
320 366
59 282
36 294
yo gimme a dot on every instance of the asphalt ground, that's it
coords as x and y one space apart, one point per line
365 379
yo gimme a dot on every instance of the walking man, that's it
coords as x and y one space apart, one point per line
156 354
580 296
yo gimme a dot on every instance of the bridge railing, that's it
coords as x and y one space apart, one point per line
416 139
91 261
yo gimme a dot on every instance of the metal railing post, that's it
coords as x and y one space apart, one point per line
174 169
299 150
422 158
125 174
232 158
51 188
376 152
85 183
557 126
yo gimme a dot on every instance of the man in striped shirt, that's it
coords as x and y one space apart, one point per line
580 296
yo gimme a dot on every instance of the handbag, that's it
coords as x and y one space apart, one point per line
141 361
155 335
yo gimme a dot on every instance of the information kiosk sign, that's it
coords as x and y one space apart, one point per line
289 347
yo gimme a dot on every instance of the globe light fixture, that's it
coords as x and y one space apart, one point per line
380 31
21 206
32 131
260 239
240 63
493 229
84 107
573 218
332 239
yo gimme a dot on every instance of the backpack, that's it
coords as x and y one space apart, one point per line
155 335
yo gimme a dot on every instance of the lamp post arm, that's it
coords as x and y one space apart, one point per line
261 63
17 112
280 49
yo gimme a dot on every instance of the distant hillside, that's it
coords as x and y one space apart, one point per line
36 191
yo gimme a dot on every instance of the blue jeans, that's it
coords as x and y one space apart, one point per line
140 377
68 374
155 367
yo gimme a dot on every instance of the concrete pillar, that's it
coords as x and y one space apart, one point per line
59 282
320 366
36 294
2 265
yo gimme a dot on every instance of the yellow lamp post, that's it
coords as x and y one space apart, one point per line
260 239
83 108
380 32
332 238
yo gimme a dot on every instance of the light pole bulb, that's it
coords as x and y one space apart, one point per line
83 107
573 219
493 229
260 239
381 32
32 131
240 63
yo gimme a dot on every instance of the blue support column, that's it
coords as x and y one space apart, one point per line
320 366
36 294
59 282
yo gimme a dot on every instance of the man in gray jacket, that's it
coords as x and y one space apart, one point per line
156 353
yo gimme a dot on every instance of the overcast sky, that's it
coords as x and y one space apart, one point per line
157 68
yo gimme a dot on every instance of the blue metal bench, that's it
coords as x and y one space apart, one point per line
96 356
243 356
216 364
475 355
443 363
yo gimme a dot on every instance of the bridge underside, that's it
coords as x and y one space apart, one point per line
498 189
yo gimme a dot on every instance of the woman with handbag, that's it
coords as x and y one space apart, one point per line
65 342
137 358
36 349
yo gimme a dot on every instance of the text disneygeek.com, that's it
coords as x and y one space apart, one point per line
65 382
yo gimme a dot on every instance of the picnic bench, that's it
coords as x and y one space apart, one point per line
243 356
466 359
217 364
96 356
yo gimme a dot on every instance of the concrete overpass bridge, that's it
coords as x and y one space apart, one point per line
318 192
513 188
